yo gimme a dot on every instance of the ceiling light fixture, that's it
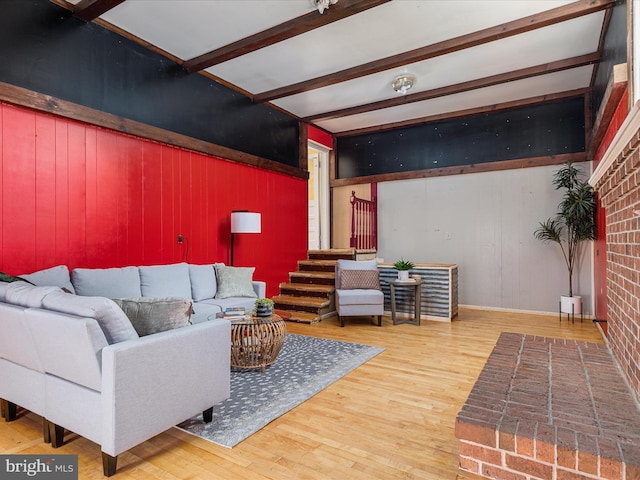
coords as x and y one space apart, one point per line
322 5
403 83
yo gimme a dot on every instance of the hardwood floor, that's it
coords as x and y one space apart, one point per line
392 418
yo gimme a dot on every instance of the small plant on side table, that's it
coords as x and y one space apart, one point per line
403 266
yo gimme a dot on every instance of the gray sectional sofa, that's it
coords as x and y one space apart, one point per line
78 362
212 287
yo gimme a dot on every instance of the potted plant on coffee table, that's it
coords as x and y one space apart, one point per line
263 307
573 224
403 268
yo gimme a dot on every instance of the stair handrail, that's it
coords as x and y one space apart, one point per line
364 223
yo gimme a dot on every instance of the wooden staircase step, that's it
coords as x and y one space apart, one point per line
302 317
306 289
316 305
333 254
313 302
317 265
323 278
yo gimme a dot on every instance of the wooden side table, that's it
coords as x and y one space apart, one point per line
412 283
256 341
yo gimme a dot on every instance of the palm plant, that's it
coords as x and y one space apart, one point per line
575 221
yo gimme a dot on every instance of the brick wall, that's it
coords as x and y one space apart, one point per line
545 408
619 190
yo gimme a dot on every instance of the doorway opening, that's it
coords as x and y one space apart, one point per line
318 197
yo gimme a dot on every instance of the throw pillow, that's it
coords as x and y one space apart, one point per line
365 279
10 278
235 282
153 315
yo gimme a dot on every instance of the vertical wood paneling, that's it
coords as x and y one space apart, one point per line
61 186
151 184
135 204
2 234
87 197
45 190
18 190
76 189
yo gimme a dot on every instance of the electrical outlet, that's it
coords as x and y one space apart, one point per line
180 238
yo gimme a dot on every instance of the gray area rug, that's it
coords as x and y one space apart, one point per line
305 366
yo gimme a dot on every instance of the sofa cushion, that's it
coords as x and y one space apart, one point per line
3 291
112 320
203 282
153 315
364 279
26 295
234 282
107 282
204 311
51 277
164 281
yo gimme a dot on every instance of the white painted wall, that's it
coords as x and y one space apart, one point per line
484 223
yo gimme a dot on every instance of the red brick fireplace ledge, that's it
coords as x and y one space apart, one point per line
551 409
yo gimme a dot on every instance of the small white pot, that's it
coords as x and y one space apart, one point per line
571 304
403 274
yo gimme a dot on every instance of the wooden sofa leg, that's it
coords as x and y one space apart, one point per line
207 415
109 465
9 410
341 321
46 433
379 320
56 434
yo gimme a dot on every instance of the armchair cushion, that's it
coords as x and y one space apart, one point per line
153 315
359 297
235 282
360 279
343 265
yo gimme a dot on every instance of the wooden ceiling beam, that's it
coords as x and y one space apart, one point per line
89 10
465 113
279 33
516 27
492 80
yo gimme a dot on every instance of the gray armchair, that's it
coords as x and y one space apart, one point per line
358 292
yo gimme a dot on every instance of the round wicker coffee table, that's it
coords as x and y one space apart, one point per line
256 341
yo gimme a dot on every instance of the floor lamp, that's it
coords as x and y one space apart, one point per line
243 221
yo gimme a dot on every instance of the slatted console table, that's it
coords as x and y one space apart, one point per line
439 292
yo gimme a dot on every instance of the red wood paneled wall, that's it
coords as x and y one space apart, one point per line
320 136
600 263
83 196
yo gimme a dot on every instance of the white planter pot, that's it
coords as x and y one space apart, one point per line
403 274
571 304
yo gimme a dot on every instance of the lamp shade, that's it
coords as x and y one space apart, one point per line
245 222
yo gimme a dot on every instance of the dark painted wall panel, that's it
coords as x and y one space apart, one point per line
614 52
533 131
45 49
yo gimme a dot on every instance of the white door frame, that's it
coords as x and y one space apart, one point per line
323 191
